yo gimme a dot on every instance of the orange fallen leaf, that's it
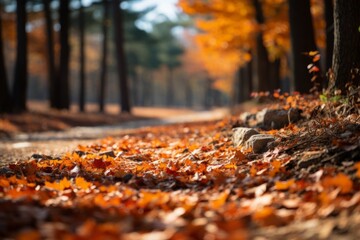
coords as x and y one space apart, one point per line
341 181
60 186
284 185
220 200
82 183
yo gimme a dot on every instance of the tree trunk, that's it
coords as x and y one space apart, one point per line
274 75
302 42
5 100
244 83
82 58
260 55
120 56
62 84
329 20
50 52
104 47
346 58
19 91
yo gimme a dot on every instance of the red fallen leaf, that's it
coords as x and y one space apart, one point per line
100 163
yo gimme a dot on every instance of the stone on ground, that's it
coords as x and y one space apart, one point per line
277 118
259 142
242 134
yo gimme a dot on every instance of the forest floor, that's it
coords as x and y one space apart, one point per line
189 181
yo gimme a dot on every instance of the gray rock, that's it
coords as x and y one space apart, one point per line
277 118
259 143
242 134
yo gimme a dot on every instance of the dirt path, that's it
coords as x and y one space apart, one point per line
22 146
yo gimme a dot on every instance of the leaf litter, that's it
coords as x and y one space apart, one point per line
188 181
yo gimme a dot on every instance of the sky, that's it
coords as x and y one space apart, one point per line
162 7
166 7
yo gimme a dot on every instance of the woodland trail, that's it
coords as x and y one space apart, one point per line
23 145
190 180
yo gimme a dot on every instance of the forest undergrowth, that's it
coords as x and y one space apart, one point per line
188 181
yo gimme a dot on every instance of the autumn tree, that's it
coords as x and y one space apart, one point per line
51 68
346 58
104 55
261 80
120 56
302 42
62 97
19 90
329 28
5 101
82 57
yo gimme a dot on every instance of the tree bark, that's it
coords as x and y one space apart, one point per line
274 74
104 47
329 21
5 100
62 84
82 58
244 83
346 58
50 52
260 55
121 57
302 42
19 91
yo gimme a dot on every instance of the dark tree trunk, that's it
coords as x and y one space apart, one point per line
260 55
19 91
120 56
82 86
302 42
244 83
62 84
329 20
274 75
346 59
103 64
50 52
5 100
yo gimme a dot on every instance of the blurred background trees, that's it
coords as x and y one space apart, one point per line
74 52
